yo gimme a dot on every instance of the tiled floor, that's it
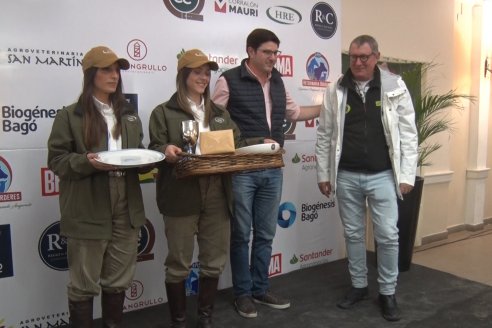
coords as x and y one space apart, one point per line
464 254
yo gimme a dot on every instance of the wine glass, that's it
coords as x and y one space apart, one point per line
190 135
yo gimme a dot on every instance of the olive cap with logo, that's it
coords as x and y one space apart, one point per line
102 56
195 58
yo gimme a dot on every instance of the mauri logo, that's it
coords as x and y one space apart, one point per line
318 70
284 15
5 183
323 20
53 248
290 211
247 8
185 9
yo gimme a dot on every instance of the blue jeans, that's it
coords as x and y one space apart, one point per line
256 201
354 191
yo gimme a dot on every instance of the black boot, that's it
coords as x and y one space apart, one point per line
207 289
389 307
80 313
176 299
112 309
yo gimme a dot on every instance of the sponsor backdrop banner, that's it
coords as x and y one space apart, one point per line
41 48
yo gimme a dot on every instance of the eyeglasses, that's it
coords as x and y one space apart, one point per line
363 58
270 53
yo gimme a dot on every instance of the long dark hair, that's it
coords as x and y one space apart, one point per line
93 124
182 94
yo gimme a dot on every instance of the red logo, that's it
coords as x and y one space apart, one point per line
285 65
49 183
136 49
135 290
311 123
275 265
220 7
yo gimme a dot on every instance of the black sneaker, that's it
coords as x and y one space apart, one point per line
389 307
353 296
245 307
272 300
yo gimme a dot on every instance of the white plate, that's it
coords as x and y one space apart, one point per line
127 158
259 149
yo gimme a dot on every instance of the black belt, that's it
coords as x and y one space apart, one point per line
117 173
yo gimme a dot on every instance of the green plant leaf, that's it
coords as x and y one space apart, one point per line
432 111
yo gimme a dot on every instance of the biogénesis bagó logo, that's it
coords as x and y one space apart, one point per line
287 212
310 211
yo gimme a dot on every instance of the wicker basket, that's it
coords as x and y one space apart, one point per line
194 165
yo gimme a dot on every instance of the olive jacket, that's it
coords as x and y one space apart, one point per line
85 204
181 197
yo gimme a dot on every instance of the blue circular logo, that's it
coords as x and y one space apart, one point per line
5 175
185 6
53 248
317 67
292 212
324 20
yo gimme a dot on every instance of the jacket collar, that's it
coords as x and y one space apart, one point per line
127 109
172 103
347 80
245 74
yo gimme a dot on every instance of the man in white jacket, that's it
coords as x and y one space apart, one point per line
367 154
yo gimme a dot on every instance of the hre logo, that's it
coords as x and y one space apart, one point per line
49 183
275 265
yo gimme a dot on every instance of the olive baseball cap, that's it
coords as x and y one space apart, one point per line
195 58
102 57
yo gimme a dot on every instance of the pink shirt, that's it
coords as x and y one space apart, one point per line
221 97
